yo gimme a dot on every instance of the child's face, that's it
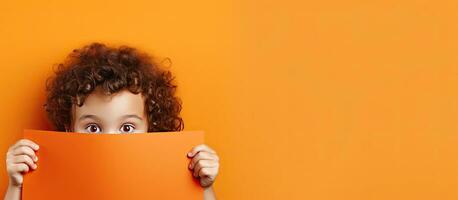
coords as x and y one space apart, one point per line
122 112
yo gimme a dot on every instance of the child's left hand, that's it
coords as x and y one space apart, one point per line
204 164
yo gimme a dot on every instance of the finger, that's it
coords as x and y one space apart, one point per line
25 150
203 164
22 167
25 159
199 148
206 172
26 142
202 156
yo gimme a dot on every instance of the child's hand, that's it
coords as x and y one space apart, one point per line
20 159
204 164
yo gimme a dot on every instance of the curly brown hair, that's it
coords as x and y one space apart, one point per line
112 69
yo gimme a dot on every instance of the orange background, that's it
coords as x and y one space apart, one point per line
301 99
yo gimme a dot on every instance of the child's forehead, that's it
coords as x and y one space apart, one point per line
119 103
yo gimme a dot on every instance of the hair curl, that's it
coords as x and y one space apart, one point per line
112 69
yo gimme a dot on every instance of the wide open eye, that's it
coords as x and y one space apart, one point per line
93 128
127 128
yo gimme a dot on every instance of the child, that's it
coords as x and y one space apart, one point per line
100 89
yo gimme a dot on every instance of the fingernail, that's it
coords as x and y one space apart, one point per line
37 147
189 154
36 159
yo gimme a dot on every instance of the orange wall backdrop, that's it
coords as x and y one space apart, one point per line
301 99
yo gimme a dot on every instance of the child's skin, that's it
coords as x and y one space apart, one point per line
122 112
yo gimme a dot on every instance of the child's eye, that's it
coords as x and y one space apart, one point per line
127 128
93 128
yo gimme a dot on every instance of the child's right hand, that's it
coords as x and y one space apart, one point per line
20 159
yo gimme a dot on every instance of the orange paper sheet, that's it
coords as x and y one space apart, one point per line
112 166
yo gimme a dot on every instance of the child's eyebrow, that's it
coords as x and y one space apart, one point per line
131 116
89 116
